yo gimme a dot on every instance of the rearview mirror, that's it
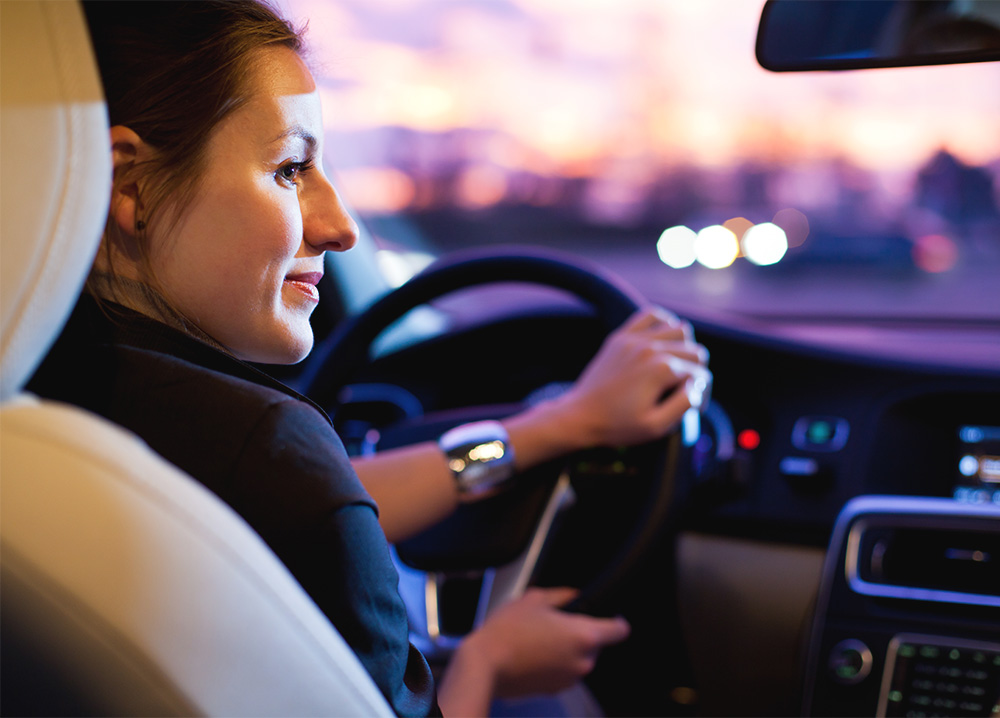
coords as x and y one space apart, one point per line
797 35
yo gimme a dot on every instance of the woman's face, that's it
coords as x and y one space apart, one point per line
244 257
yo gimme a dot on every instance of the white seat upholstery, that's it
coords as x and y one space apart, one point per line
127 587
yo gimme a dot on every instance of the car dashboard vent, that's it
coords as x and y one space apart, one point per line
925 558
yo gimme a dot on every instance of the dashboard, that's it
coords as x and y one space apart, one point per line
888 470
811 429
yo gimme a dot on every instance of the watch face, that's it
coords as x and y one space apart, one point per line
479 456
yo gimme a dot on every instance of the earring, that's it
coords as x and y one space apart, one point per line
140 225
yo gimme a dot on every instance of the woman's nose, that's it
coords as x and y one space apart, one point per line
327 225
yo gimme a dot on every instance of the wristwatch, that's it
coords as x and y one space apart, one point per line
480 458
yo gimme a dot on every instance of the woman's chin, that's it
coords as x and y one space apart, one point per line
295 353
287 350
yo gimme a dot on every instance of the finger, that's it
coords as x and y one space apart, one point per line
558 596
678 330
668 372
688 330
651 317
665 333
682 367
665 316
694 374
699 388
640 320
689 357
666 415
608 631
690 351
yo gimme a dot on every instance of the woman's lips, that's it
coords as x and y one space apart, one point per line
306 283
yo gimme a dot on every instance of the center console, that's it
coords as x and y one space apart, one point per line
908 616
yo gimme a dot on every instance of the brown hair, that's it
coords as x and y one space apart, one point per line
172 70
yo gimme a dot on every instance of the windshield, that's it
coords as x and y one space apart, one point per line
644 135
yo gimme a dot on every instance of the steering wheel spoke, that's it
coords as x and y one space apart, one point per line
423 589
509 582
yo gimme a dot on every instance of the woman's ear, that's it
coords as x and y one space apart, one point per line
126 150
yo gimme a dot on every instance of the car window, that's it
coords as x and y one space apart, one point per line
644 135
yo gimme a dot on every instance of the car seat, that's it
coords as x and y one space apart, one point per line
126 588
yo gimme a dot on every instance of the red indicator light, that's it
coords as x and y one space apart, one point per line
748 439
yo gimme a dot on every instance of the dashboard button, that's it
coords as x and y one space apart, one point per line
799 466
805 474
820 433
850 662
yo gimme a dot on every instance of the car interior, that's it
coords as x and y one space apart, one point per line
822 538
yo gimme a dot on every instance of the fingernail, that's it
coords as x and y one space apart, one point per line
695 387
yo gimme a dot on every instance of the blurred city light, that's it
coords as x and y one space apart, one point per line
426 106
676 247
716 247
765 244
377 189
481 186
935 253
738 226
795 224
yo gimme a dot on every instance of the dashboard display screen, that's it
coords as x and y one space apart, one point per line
978 465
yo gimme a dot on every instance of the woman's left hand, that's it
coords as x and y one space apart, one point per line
529 646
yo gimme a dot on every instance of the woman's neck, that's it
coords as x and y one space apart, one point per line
144 299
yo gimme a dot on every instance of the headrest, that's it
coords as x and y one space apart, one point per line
56 176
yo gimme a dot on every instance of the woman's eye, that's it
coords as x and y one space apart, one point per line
290 172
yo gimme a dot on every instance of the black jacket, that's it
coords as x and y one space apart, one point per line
267 451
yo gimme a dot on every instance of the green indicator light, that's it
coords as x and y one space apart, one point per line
846 671
820 432
979 657
907 651
895 696
954 654
929 652
618 467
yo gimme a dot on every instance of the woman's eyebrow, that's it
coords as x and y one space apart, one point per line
297 132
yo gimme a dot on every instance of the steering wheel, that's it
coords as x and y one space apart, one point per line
503 536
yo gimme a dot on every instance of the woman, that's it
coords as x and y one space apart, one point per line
219 219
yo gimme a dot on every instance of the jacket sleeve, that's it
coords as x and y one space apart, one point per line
301 494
